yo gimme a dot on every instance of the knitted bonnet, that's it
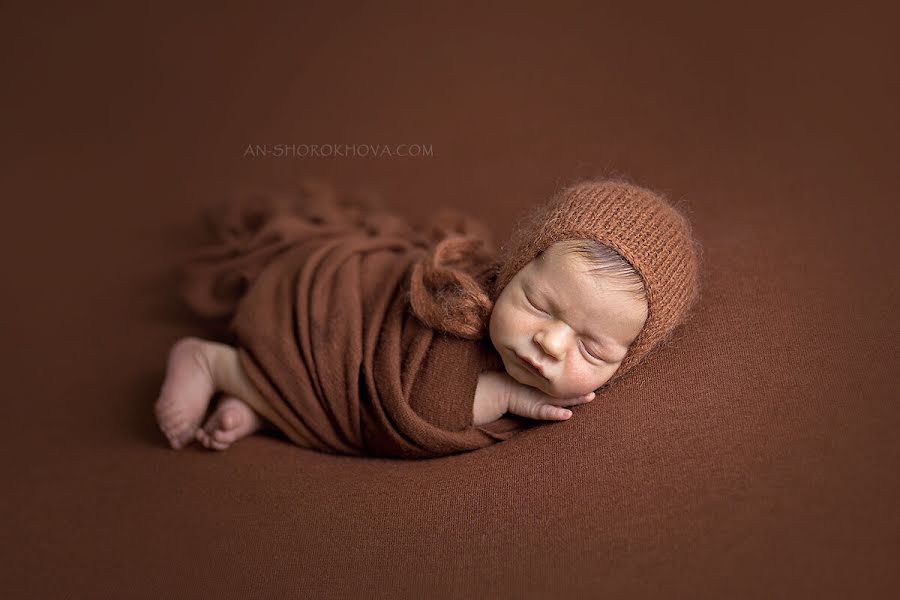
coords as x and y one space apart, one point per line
639 224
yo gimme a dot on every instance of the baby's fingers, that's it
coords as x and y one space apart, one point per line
536 405
574 401
549 412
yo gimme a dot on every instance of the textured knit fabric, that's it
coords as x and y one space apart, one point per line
366 335
639 224
316 288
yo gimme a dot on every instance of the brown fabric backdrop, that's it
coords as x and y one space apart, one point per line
755 457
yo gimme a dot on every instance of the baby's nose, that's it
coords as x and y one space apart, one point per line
552 340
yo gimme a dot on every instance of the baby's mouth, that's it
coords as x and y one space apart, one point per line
529 366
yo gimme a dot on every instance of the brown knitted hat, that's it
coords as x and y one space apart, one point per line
636 222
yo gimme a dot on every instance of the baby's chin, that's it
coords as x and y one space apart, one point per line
546 388
517 376
540 384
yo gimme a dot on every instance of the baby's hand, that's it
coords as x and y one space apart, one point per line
498 393
530 402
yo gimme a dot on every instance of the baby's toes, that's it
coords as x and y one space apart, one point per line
230 433
201 436
217 445
220 429
209 442
228 420
177 431
182 437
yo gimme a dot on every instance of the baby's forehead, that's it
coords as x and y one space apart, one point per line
559 254
560 271
557 273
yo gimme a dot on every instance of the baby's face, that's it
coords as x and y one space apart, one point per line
574 326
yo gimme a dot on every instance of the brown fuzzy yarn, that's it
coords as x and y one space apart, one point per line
458 273
455 285
447 289
639 224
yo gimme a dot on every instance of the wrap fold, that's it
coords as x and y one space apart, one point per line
316 288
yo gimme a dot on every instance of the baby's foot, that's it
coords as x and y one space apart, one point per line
186 391
231 421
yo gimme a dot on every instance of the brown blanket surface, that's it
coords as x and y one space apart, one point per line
316 287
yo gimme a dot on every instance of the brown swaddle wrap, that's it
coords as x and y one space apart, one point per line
316 288
366 335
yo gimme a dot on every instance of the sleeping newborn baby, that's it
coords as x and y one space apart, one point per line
561 330
357 334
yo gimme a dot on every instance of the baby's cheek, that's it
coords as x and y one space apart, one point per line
578 381
507 325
